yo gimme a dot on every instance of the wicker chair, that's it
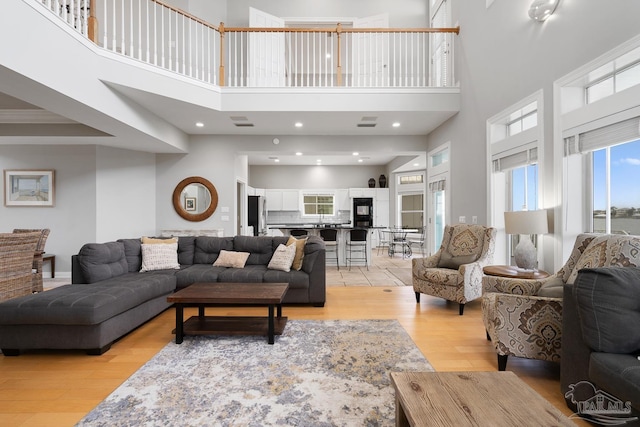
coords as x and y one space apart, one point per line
16 263
37 259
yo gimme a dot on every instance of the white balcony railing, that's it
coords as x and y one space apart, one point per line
156 33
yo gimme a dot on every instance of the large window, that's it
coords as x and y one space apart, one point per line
616 197
523 188
412 211
319 204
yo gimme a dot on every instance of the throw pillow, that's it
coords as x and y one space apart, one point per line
282 258
454 262
153 241
552 288
159 257
299 243
231 259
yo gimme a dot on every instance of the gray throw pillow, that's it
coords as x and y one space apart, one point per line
608 301
454 262
551 288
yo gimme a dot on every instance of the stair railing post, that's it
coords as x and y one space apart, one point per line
339 61
221 69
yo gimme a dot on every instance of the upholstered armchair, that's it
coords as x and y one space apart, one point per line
16 263
523 317
37 285
455 271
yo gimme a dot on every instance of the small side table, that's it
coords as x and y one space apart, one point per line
52 259
514 272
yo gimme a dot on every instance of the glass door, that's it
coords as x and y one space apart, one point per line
436 220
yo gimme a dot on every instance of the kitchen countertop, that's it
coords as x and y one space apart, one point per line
313 227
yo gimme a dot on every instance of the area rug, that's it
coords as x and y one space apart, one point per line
318 373
402 274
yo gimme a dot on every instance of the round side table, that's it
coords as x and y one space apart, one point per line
514 272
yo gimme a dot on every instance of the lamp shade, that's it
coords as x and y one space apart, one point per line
526 222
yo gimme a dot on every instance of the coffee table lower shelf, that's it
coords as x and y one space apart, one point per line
232 325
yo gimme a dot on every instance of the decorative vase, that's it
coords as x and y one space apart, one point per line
383 181
372 183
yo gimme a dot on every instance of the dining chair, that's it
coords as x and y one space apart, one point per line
38 258
299 232
419 241
384 239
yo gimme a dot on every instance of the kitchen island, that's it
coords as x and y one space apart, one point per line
343 232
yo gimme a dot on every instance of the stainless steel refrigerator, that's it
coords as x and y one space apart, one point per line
257 215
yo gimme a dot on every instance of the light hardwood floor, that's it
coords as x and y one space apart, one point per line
59 388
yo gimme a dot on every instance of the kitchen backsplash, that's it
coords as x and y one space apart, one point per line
295 217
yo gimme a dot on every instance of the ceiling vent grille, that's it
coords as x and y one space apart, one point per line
244 125
367 125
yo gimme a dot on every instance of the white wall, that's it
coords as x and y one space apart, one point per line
73 219
502 57
310 177
126 194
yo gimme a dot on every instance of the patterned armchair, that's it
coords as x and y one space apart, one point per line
16 262
37 285
523 317
455 271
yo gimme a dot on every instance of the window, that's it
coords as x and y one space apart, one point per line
319 204
523 186
412 211
616 199
522 119
411 179
613 82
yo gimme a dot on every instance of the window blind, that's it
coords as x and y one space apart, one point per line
606 136
436 186
524 155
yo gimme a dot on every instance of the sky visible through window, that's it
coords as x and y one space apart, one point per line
625 177
520 187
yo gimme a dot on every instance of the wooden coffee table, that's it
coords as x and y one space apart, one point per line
204 294
470 398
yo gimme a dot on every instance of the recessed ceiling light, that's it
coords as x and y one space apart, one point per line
276 141
298 124
199 124
276 160
396 124
360 160
298 154
355 153
416 164
319 161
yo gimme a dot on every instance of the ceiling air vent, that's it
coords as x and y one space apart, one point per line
241 121
366 125
244 125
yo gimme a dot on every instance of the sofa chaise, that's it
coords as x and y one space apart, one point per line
110 296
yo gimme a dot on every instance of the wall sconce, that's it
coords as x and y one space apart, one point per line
540 10
526 223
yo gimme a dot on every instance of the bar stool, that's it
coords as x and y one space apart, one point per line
298 232
357 246
330 237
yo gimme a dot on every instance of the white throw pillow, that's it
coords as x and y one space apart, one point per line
282 258
159 257
231 259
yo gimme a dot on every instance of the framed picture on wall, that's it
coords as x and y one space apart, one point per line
189 203
29 187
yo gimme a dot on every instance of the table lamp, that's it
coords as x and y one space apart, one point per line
526 223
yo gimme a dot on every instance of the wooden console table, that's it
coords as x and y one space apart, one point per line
514 272
52 259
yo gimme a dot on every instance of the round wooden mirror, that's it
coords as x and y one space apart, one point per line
195 199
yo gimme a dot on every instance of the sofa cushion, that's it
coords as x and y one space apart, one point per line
101 261
454 262
260 248
608 301
231 259
132 253
186 249
299 258
551 288
197 273
618 374
207 248
295 279
250 274
282 258
159 257
86 304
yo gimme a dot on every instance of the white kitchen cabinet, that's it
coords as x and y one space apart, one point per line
342 200
259 191
362 192
382 194
274 200
381 213
290 200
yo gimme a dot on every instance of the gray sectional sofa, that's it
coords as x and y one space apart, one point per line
109 296
600 366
